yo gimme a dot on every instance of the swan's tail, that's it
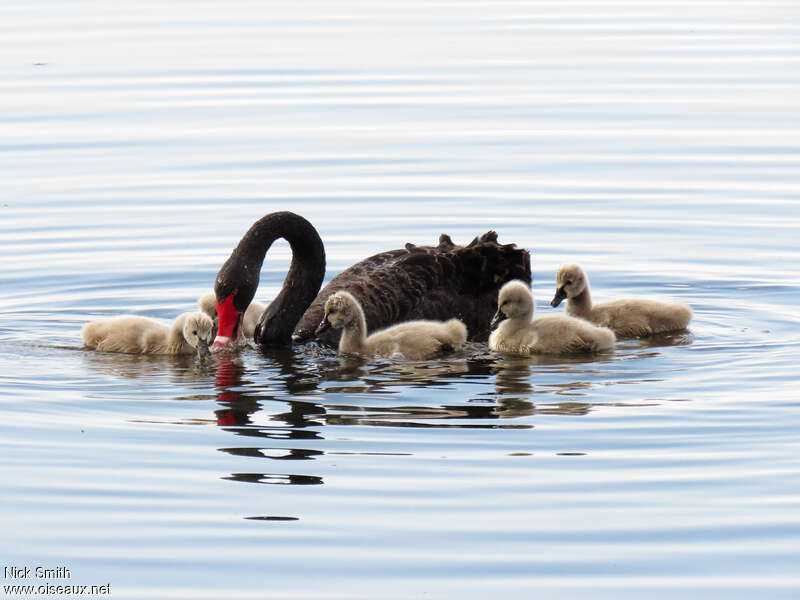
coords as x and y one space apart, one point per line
487 265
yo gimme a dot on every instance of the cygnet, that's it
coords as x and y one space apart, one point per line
517 332
412 340
627 318
191 332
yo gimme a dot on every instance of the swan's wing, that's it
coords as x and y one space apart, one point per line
428 282
354 277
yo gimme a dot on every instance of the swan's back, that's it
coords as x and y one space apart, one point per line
426 282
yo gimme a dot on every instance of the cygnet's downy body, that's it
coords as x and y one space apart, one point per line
412 340
191 332
517 332
627 318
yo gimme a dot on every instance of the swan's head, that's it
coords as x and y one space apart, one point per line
234 289
514 301
341 309
198 330
570 282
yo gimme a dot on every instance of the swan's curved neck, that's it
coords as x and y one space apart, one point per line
354 334
240 274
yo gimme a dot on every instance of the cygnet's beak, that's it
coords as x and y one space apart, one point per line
323 326
202 348
498 318
560 295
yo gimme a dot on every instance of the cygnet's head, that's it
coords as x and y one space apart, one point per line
198 329
514 301
208 304
570 282
341 309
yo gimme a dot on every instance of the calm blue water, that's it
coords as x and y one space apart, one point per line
656 144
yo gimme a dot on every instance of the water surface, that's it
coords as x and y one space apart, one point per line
655 144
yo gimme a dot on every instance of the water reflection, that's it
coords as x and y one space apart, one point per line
305 382
241 400
275 453
181 368
418 416
275 478
287 400
515 378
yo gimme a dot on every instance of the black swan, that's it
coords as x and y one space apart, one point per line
417 282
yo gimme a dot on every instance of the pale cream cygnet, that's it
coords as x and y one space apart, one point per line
208 304
190 332
412 340
518 332
627 318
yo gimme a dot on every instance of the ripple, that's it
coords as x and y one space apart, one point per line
656 147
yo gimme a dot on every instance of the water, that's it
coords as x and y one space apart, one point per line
655 144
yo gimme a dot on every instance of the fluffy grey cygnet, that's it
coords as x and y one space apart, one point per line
627 318
412 340
518 332
191 332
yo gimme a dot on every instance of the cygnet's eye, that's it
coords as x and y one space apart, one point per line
194 332
569 282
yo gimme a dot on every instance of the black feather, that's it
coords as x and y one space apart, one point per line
426 282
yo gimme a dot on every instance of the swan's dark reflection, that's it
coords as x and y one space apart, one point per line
305 371
241 400
239 406
275 478
322 374
275 453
